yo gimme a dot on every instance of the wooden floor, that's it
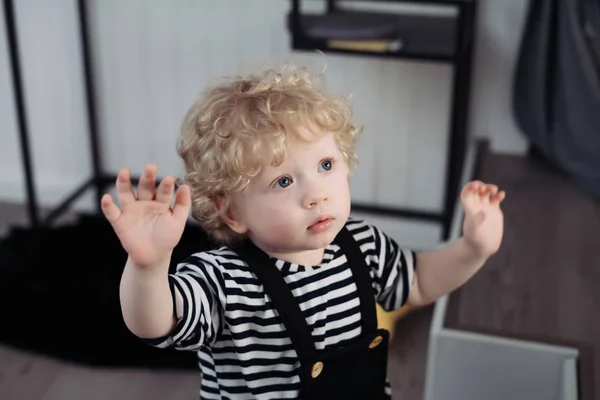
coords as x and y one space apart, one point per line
25 376
545 281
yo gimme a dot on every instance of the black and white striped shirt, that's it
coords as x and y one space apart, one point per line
243 348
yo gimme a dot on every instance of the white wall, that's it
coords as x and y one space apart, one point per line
54 100
154 56
499 31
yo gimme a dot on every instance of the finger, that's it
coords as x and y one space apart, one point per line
147 185
492 189
498 197
109 208
125 193
483 190
491 193
468 189
183 202
472 185
164 192
476 185
484 193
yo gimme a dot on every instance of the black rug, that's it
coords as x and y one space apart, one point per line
59 296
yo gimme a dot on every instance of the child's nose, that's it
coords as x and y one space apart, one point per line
314 198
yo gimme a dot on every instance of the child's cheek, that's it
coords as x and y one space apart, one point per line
282 223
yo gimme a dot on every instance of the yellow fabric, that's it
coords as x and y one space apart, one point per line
388 319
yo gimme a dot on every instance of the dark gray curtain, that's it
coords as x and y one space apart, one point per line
557 87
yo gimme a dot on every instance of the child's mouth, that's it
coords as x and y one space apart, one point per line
321 225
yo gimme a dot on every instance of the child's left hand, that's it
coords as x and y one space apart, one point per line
484 221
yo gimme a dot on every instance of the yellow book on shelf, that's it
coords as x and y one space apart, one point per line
374 46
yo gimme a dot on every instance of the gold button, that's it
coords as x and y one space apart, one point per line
376 342
317 369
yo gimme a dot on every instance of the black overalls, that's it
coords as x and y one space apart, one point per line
356 371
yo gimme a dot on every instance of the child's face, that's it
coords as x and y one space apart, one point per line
300 206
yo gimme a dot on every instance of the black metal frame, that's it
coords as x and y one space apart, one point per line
461 86
100 179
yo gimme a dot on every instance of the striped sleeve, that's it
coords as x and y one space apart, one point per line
198 293
393 268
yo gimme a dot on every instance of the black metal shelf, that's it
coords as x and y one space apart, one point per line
428 38
418 37
99 179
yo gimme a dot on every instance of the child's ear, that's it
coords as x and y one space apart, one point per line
233 222
230 217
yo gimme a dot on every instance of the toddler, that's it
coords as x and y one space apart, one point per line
284 305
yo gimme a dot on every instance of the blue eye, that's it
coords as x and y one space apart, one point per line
283 182
326 165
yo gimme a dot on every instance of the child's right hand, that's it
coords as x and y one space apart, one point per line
147 227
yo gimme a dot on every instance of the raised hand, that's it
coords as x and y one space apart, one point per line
147 226
484 221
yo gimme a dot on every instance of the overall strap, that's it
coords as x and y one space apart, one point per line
283 300
360 272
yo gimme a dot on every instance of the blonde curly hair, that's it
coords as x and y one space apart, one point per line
224 133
